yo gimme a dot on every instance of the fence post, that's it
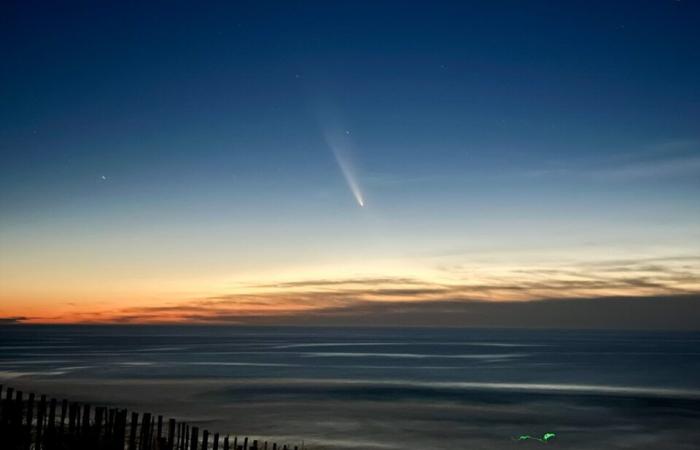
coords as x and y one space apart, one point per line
19 407
171 433
3 408
52 415
85 428
97 426
143 435
64 411
30 422
151 433
71 418
30 410
109 422
8 406
194 438
205 440
40 415
35 426
132 430
120 429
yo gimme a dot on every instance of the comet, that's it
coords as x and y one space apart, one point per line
340 144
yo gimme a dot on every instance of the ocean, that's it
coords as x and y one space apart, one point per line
379 388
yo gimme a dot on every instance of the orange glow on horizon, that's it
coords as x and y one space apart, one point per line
317 291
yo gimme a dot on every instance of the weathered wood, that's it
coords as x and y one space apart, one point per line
3 410
78 409
30 422
85 427
132 430
30 410
143 435
71 418
151 433
3 407
18 409
194 438
33 425
171 434
64 412
8 406
40 415
52 415
120 429
205 440
113 415
97 425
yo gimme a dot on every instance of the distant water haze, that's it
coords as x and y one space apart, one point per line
379 388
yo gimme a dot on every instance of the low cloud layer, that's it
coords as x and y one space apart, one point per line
660 312
662 293
12 320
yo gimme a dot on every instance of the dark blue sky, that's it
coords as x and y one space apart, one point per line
486 124
169 88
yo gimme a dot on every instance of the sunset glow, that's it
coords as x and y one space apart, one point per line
231 174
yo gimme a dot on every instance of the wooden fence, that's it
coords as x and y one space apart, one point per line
31 423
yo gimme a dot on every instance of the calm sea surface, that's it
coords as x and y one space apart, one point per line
379 388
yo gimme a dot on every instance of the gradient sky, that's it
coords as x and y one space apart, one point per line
179 162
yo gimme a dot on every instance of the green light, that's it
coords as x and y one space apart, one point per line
546 437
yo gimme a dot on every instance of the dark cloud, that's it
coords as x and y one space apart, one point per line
12 320
655 312
660 312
